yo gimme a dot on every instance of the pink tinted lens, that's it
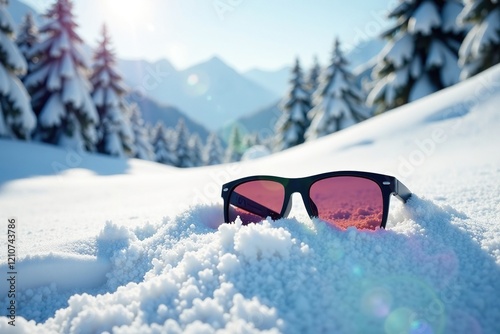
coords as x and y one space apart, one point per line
255 200
348 201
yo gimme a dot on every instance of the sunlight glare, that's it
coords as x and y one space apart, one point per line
127 13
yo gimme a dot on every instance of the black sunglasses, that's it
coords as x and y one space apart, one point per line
343 199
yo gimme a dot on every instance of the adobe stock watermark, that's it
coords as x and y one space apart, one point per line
372 28
211 189
72 159
151 79
425 148
223 7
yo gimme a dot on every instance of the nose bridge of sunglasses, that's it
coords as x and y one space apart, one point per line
296 206
298 198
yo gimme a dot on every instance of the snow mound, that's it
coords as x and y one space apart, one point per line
288 276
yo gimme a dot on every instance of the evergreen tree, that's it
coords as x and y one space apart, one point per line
339 101
213 153
181 145
421 56
195 150
314 76
235 148
251 139
293 123
60 90
17 119
27 38
142 144
163 147
481 47
114 131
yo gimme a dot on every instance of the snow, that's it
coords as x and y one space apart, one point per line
12 56
399 51
135 246
424 19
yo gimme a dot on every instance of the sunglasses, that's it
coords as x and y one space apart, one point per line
342 199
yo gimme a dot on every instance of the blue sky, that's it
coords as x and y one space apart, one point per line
265 34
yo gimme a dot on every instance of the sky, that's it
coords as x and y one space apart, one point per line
246 34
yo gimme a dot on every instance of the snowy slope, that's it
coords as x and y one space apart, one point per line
97 255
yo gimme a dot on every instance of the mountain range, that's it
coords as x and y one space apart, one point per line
211 95
210 92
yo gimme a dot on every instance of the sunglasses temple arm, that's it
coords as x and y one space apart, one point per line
247 204
401 192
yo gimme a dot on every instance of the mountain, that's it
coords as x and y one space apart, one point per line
211 92
153 112
18 9
275 81
261 122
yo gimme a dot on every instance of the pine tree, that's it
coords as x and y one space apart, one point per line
142 144
339 101
481 47
114 131
163 147
195 150
17 119
213 153
27 38
421 56
60 90
293 123
181 145
314 76
235 148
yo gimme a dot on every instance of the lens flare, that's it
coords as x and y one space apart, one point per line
193 80
196 84
377 302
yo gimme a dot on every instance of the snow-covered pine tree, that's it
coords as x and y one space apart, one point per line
181 147
339 101
26 39
195 150
143 148
17 119
213 153
313 76
114 131
421 56
251 139
481 47
235 147
58 84
163 147
294 121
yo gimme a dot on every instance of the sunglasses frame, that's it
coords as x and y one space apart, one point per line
389 185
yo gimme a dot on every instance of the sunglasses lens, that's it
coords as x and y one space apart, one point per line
346 201
255 200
